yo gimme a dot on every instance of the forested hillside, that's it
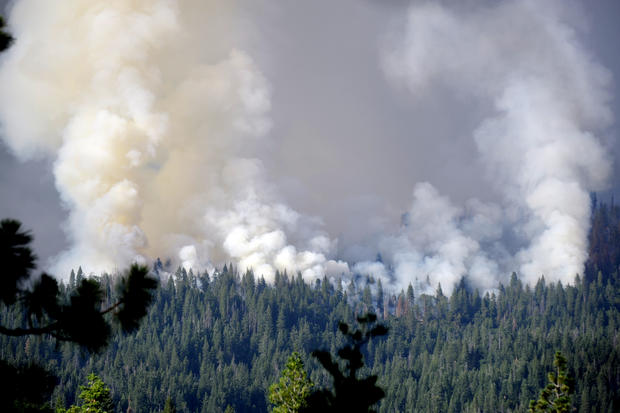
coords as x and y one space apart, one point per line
212 341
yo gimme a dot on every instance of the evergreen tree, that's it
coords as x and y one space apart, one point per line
555 397
380 297
95 398
39 308
350 393
169 407
81 320
410 296
289 394
25 388
5 38
213 344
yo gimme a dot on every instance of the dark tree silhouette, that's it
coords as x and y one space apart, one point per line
5 38
81 320
350 393
25 388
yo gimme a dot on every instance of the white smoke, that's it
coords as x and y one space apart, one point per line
151 113
159 122
538 145
436 244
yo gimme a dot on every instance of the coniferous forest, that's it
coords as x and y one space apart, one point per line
212 342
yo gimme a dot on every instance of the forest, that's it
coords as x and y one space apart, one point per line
215 342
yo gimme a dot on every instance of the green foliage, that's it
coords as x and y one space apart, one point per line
41 307
350 393
135 292
216 341
81 320
169 407
212 341
555 397
95 398
289 394
604 240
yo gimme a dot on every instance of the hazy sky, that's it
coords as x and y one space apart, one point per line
347 144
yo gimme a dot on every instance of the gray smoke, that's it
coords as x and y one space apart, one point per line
151 114
262 134
537 143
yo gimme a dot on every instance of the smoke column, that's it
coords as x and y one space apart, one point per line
548 98
158 117
151 113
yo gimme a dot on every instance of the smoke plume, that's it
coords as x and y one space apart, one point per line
537 143
166 142
151 114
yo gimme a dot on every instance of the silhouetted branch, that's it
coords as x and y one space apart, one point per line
350 392
81 320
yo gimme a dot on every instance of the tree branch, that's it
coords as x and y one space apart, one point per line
114 307
17 332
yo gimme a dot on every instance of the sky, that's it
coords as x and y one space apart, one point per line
365 132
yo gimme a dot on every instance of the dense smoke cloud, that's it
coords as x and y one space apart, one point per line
173 136
537 144
151 114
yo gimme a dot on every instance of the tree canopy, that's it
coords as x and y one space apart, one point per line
81 319
38 307
216 340
350 392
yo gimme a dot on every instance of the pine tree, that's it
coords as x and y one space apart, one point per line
81 320
46 311
289 394
410 297
169 407
5 38
95 398
555 397
380 298
351 393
